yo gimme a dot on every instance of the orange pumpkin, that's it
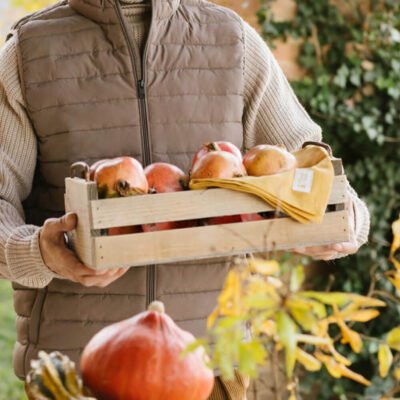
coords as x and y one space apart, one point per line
140 359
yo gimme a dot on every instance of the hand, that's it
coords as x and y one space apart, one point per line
332 251
63 261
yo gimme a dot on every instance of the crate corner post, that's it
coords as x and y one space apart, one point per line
78 196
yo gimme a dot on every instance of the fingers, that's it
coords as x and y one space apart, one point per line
328 252
102 280
55 226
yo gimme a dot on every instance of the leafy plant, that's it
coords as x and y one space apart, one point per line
351 53
263 309
268 299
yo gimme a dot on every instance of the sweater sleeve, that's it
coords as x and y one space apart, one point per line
274 115
20 257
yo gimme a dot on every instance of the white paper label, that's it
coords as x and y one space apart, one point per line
303 179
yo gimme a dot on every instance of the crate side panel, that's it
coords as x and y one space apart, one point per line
188 205
218 240
78 195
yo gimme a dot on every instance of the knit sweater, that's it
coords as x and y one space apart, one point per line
272 114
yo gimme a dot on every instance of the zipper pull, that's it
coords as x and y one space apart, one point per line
141 89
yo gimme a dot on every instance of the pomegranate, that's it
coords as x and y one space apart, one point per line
268 160
123 230
120 177
217 146
164 178
217 165
95 166
227 219
251 217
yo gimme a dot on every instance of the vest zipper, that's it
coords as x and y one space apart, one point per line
146 151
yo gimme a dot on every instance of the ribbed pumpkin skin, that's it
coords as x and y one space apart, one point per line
139 359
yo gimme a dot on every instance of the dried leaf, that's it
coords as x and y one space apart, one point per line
385 358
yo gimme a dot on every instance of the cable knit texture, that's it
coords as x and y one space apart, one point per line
272 114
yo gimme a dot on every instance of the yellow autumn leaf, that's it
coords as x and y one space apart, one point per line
306 319
309 362
231 288
394 251
396 373
269 328
385 358
394 278
393 338
347 373
337 356
286 332
315 340
350 336
338 370
212 318
263 267
306 304
330 364
365 301
263 287
297 278
360 315
341 299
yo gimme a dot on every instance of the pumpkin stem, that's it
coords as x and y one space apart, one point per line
157 306
212 146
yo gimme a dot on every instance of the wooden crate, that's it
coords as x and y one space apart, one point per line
99 251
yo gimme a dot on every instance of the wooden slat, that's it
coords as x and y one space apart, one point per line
219 240
78 195
186 205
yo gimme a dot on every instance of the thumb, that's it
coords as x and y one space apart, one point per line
68 222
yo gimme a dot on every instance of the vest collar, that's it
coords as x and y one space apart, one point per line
104 11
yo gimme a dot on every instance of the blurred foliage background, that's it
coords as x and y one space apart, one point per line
343 58
350 54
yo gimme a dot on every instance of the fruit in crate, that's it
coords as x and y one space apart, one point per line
95 166
217 165
164 178
217 146
140 359
120 177
53 377
228 219
267 159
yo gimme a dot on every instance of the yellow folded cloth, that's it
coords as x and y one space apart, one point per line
302 193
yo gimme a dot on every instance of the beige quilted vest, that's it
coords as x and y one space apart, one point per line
89 97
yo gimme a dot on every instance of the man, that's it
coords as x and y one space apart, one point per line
92 79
